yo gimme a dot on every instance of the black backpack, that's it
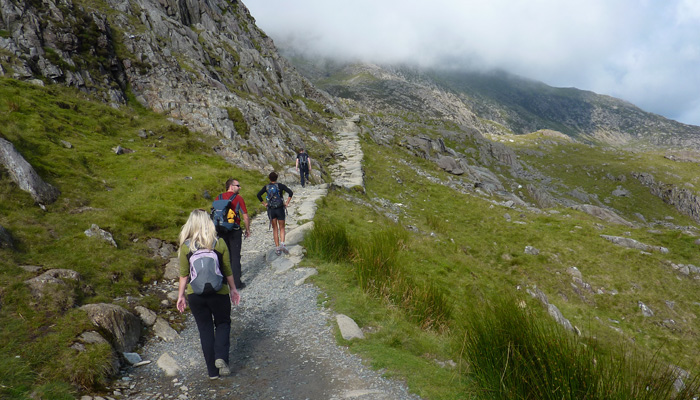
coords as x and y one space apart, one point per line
274 197
219 215
303 159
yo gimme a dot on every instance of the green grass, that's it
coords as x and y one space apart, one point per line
515 353
465 247
135 196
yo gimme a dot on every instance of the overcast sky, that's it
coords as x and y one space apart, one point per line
643 51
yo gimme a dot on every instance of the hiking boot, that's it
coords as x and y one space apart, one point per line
223 367
284 249
213 378
241 285
278 251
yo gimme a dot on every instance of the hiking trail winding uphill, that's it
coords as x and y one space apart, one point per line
282 340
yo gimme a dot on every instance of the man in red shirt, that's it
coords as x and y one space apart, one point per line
234 239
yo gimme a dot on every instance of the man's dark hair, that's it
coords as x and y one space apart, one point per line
229 182
273 176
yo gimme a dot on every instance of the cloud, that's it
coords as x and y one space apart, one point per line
643 51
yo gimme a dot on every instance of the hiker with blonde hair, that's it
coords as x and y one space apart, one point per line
207 279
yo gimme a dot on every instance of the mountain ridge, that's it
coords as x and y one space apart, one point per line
520 105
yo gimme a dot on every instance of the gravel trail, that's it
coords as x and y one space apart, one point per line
282 341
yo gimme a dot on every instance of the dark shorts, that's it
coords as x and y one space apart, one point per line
277 213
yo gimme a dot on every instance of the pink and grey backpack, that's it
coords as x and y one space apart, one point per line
205 271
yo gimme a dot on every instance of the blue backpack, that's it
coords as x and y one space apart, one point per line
274 197
205 271
219 215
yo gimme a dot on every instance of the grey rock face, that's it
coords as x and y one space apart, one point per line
602 213
684 200
541 197
123 326
189 60
24 175
450 165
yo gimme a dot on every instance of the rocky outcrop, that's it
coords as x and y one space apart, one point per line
602 213
39 284
542 198
552 309
633 244
122 327
24 175
96 232
684 200
204 64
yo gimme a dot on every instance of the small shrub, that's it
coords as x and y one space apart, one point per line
239 122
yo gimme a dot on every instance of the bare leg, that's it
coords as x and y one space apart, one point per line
282 233
274 232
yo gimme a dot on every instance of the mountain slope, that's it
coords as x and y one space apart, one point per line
519 105
205 65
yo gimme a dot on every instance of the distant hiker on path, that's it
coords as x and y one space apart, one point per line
204 263
233 238
276 209
303 165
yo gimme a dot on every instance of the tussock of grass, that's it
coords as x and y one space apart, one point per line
378 271
513 353
328 242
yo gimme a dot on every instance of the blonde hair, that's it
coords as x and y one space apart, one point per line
199 231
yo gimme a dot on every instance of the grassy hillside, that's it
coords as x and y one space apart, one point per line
459 261
147 193
446 281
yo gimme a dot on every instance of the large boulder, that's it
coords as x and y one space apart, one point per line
24 175
122 327
56 286
450 165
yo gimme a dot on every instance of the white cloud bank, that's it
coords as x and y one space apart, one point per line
644 51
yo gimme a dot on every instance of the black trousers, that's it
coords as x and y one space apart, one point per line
304 170
234 241
212 313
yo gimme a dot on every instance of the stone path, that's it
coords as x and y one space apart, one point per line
348 173
282 340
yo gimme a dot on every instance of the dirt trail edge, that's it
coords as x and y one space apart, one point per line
282 341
